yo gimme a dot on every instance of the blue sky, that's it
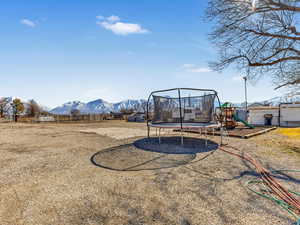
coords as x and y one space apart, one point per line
61 50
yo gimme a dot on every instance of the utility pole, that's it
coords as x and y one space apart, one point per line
246 102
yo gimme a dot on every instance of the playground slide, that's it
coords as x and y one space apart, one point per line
242 121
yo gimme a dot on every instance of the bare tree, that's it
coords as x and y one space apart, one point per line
140 107
143 106
259 37
127 111
33 108
3 106
18 108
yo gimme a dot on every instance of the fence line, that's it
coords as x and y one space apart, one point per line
85 117
65 118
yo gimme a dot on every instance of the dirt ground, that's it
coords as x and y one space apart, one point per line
56 174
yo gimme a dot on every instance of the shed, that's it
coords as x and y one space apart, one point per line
264 115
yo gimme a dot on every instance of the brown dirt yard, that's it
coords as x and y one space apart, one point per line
47 177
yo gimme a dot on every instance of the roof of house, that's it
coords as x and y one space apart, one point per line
137 113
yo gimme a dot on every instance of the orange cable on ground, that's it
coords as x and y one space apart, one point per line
276 188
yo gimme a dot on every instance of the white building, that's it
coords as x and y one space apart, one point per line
287 115
264 115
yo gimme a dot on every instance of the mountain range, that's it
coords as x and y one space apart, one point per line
101 106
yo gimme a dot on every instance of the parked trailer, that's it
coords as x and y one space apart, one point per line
289 115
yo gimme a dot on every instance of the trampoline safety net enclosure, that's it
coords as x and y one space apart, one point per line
182 106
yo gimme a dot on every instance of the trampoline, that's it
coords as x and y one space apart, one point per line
183 109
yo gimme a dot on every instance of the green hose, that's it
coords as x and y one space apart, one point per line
279 202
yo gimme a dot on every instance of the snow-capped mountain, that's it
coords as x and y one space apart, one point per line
68 107
129 104
99 106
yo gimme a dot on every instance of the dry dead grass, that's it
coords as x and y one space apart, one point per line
121 133
47 178
286 140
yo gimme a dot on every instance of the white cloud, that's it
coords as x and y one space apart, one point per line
113 18
113 24
27 22
123 28
192 68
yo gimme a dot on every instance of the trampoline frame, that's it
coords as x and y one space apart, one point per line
182 124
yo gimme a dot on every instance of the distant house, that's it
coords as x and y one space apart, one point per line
136 117
45 119
286 114
116 115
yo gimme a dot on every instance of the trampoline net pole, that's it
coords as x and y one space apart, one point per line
221 135
180 115
181 137
159 136
205 137
180 112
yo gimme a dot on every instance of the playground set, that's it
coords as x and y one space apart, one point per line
229 118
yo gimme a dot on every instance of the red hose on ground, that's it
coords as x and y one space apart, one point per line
277 189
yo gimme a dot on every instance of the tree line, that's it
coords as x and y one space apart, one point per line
16 107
